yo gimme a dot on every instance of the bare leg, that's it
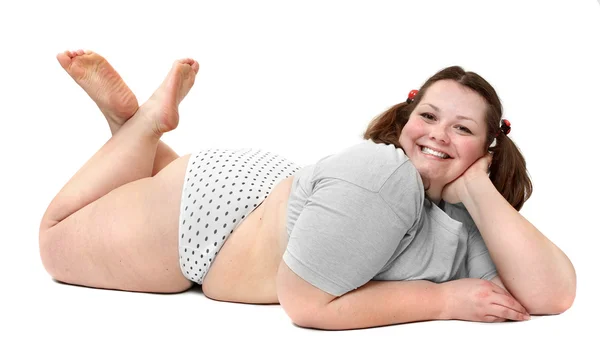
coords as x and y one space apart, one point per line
113 225
129 154
108 90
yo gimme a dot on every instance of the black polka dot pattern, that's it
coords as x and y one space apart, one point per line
222 187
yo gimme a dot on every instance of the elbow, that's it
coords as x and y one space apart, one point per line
564 288
306 321
566 297
317 319
304 304
555 303
304 316
555 307
565 304
299 314
548 307
303 312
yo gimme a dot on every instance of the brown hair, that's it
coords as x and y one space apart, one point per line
508 172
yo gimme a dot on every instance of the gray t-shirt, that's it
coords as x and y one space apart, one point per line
361 215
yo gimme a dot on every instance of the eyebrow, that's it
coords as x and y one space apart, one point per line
457 117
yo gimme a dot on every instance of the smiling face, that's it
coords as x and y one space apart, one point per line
445 134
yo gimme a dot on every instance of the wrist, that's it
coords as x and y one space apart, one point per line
473 184
445 301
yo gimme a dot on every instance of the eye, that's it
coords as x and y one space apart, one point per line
463 129
428 116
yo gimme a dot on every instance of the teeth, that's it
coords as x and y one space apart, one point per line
433 152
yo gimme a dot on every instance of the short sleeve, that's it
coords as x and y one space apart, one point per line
479 262
343 237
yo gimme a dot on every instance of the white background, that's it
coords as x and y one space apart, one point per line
302 79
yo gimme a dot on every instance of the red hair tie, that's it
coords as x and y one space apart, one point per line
504 128
411 96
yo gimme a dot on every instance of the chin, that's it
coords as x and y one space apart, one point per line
430 178
429 174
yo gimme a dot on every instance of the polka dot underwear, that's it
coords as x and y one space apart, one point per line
222 187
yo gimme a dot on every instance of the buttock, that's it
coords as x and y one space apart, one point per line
221 188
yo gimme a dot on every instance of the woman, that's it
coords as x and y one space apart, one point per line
389 231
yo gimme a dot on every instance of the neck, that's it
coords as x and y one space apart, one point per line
434 193
435 198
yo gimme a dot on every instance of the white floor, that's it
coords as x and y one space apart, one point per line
61 322
302 80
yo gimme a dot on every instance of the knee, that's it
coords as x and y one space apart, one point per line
49 254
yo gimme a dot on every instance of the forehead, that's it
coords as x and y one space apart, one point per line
455 99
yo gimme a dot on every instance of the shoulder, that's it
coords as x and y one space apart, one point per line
401 186
366 164
396 176
368 152
379 168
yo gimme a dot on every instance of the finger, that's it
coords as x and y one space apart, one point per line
502 291
505 312
507 300
510 302
491 318
499 289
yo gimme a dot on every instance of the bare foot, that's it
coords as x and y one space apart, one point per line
160 113
102 83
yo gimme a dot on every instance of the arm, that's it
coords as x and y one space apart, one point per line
382 303
534 270
377 303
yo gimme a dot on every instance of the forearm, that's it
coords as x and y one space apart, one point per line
380 303
536 272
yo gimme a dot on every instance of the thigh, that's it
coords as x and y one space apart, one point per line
125 240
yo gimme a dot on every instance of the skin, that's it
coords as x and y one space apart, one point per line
118 186
95 231
442 129
106 88
550 285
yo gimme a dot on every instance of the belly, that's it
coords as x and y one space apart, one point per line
246 266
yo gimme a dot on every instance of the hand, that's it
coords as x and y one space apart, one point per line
452 191
474 299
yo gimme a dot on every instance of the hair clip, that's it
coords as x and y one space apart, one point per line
504 128
411 96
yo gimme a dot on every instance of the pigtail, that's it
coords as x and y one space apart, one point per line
508 172
387 126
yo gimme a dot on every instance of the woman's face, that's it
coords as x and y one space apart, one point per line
445 134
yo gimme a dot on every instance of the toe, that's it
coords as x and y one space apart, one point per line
195 66
191 62
64 59
179 62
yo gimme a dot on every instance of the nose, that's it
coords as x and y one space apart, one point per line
438 132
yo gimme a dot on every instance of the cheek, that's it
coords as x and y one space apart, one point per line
412 130
472 151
